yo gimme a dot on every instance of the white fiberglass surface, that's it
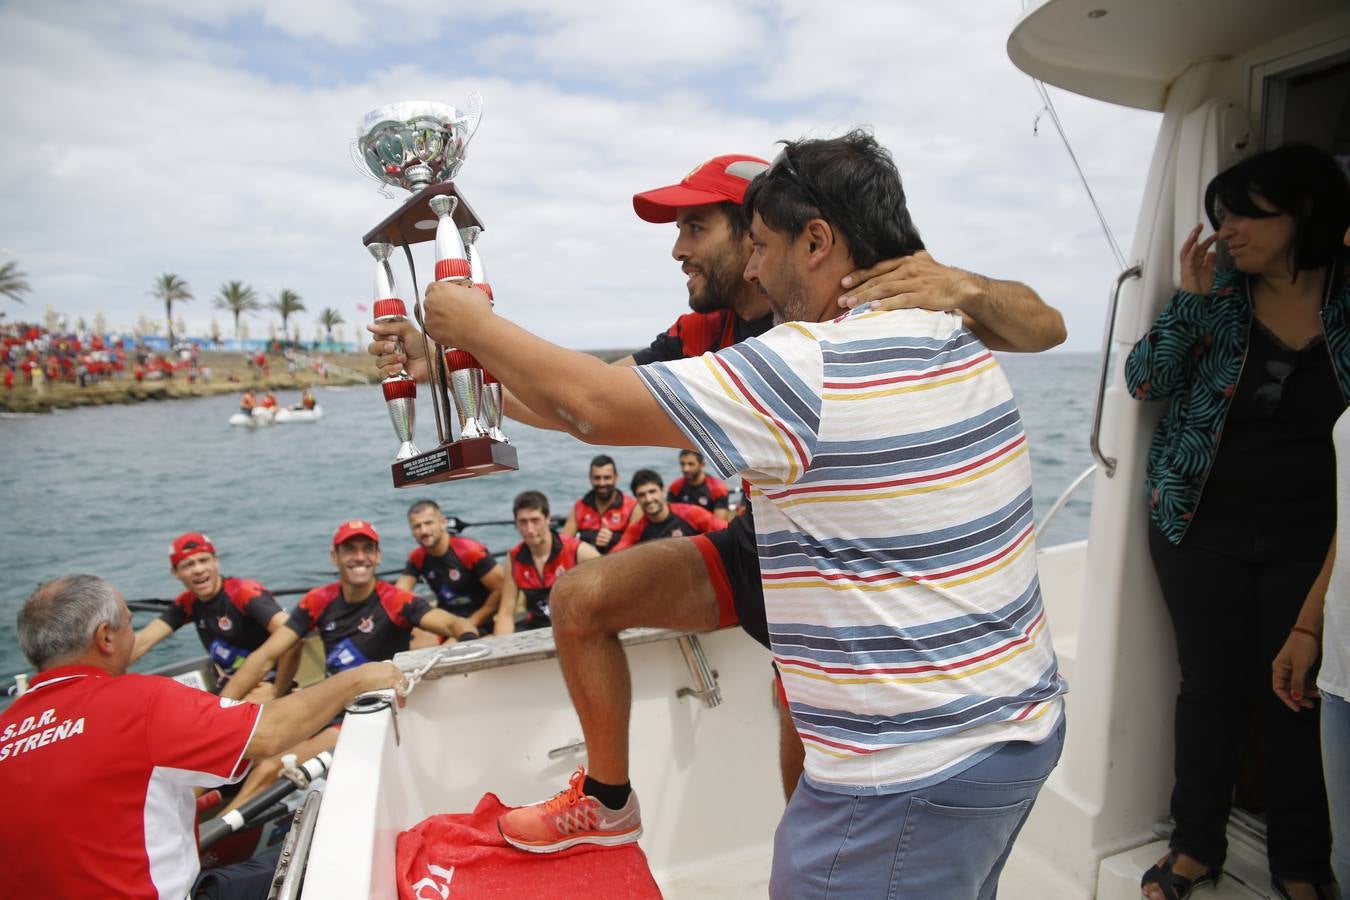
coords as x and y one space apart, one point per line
707 778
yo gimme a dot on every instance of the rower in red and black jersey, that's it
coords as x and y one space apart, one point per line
359 618
234 616
462 575
697 488
661 519
603 515
536 562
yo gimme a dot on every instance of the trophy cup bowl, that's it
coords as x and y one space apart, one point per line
415 143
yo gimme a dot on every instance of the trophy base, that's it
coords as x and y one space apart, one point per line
450 462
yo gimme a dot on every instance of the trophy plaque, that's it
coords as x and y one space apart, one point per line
419 146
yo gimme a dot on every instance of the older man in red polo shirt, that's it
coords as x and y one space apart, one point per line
104 763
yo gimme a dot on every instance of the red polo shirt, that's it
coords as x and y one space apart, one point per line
98 771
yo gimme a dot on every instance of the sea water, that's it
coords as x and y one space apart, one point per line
104 490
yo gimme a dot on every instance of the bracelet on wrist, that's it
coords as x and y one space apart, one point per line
1308 631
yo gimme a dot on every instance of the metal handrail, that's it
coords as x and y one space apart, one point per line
1063 499
305 821
1108 463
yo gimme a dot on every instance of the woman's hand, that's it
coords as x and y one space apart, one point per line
1289 671
1197 263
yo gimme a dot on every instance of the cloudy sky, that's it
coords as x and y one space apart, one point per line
211 139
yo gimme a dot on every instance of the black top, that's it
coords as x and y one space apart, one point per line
1271 488
232 624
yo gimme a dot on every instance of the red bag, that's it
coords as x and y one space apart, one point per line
462 855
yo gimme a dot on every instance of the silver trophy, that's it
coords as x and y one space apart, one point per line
452 264
400 395
400 389
416 143
477 274
420 146
491 403
466 385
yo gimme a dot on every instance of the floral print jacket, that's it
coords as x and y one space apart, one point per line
1193 356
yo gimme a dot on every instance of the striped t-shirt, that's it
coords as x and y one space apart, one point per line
892 493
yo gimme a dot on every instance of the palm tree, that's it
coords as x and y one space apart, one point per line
239 299
288 303
330 318
170 288
13 283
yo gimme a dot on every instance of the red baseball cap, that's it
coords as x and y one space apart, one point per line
189 544
720 179
355 528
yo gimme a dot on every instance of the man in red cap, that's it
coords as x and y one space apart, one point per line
359 618
234 616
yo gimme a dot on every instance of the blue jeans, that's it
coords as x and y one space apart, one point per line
948 841
1336 769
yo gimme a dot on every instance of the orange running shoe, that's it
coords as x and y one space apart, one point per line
571 818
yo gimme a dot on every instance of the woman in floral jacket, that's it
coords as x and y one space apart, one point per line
1254 362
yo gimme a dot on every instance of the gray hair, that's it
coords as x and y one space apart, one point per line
58 620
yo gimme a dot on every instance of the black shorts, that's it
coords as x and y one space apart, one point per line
732 560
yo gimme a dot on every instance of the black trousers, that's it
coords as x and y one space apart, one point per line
1231 614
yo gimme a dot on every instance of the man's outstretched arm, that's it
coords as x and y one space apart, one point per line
596 402
398 345
1005 315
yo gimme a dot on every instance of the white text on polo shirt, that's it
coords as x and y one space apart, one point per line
50 733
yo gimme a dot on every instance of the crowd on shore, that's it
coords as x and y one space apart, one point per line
36 357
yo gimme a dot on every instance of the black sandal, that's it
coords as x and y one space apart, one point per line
1174 886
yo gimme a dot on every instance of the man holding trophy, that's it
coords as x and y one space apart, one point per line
691 585
904 533
712 246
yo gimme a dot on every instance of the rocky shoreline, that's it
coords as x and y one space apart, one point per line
345 368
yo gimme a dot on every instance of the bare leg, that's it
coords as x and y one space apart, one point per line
662 584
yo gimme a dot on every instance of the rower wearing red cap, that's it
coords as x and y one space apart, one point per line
233 616
359 618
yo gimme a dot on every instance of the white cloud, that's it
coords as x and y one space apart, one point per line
204 139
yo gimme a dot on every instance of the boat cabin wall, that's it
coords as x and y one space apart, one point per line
1113 782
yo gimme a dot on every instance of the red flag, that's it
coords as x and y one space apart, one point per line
361 307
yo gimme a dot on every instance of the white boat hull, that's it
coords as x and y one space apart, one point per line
261 417
707 777
287 416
